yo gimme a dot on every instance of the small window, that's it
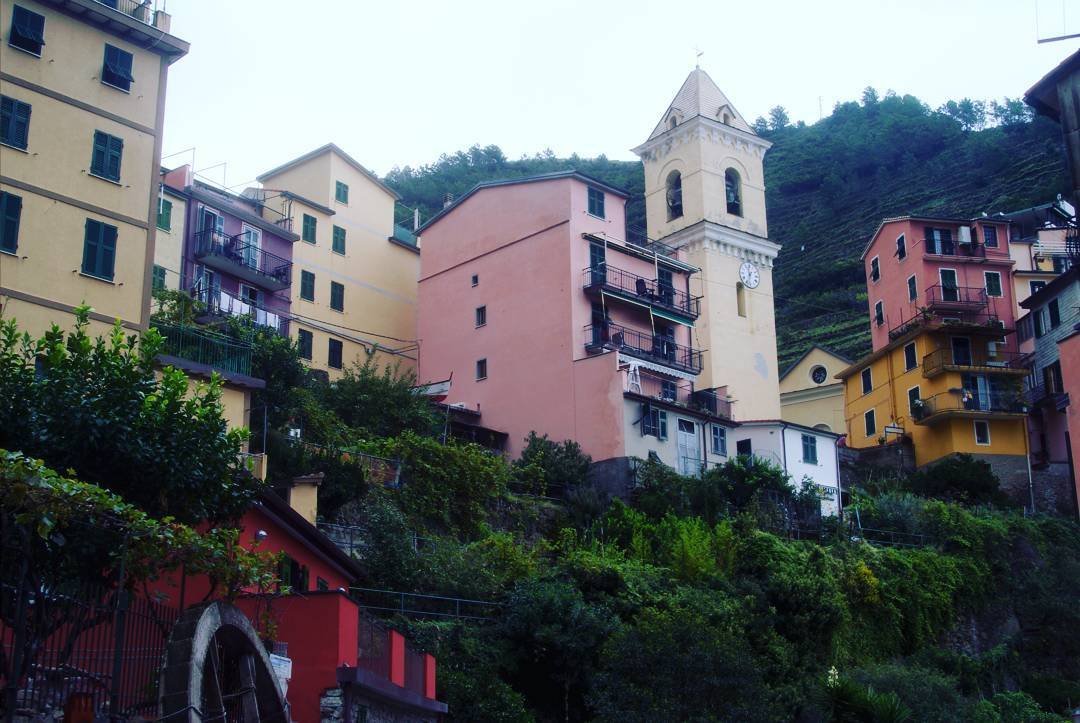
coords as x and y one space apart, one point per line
875 269
338 246
674 196
654 423
305 342
596 202
164 215
867 381
1039 316
27 30
1024 330
669 390
481 369
337 296
481 315
476 279
879 313
733 192
1055 314
159 277
740 298
10 215
341 192
333 354
672 122
308 233
307 286
982 433
321 585
719 440
990 237
116 71
992 283
809 449
819 374
1036 286
14 122
901 247
870 423
105 160
914 395
912 289
744 448
911 359
99 250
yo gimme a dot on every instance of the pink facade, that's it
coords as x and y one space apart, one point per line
1069 355
939 254
559 287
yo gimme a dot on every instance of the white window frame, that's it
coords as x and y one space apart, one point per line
914 346
899 239
911 412
911 287
875 263
975 430
879 312
862 380
941 281
722 436
986 284
480 311
812 438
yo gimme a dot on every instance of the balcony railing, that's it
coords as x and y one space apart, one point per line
222 304
1043 394
950 247
234 255
641 288
141 10
966 321
203 347
650 347
680 393
986 359
955 297
966 400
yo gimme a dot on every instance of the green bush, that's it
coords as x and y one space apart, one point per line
959 478
547 467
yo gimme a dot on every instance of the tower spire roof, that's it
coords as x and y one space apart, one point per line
700 96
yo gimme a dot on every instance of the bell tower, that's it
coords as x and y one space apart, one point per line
705 194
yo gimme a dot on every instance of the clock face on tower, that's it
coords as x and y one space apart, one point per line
749 275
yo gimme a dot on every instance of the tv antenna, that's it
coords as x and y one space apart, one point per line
697 59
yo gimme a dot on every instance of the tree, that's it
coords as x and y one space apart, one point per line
551 467
970 114
869 97
1011 113
959 478
376 402
96 407
760 125
778 118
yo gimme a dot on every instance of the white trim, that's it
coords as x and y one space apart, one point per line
1001 288
896 245
913 277
911 412
634 362
956 277
879 318
975 430
915 346
865 415
862 382
875 261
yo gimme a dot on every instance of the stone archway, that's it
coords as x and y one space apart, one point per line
215 667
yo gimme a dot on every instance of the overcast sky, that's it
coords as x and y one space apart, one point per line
396 82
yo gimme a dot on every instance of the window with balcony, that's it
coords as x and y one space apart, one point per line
912 288
99 250
879 313
116 68
674 196
870 423
10 215
990 237
164 214
14 122
992 283
939 241
338 244
341 192
337 296
333 354
982 433
733 191
596 202
481 316
1054 312
654 423
867 381
911 358
481 369
308 230
809 449
27 30
307 286
305 342
105 159
719 440
875 269
901 247
914 397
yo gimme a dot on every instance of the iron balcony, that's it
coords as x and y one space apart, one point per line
972 323
221 304
640 289
968 403
955 298
217 351
952 247
649 347
973 360
233 255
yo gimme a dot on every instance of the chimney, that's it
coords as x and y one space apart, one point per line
304 495
447 200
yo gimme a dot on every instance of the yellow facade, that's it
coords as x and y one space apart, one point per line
168 251
944 428
379 275
810 394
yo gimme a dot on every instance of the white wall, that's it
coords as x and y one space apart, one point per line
667 450
769 441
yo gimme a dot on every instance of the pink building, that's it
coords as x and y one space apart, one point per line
959 268
550 320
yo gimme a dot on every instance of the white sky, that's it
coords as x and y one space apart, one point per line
396 82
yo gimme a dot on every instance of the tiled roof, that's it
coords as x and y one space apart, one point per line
700 96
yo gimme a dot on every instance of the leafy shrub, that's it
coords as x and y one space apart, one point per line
547 467
959 478
930 696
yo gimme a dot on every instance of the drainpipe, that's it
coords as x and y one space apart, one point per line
1027 458
783 444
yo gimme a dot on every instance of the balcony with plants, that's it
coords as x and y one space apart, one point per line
969 403
677 392
214 305
638 289
975 323
989 360
194 347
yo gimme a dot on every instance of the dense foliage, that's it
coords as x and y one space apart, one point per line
828 186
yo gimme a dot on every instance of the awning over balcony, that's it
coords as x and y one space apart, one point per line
675 318
658 368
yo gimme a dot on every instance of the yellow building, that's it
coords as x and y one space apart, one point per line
810 394
705 193
355 272
942 385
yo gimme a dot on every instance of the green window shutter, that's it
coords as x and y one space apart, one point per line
10 214
993 285
100 152
337 296
14 122
339 240
309 228
304 340
159 277
341 192
107 259
115 152
99 250
164 217
91 246
307 286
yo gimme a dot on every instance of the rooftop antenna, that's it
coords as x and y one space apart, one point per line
697 61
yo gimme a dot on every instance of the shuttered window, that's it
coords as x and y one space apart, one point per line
159 277
337 296
341 192
105 160
308 233
307 286
164 215
27 30
14 122
333 354
339 241
99 250
304 342
10 214
116 70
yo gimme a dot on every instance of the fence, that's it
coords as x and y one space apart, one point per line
204 347
420 605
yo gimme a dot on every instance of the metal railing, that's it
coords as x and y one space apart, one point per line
1041 393
204 347
420 605
651 347
642 288
222 303
237 250
404 235
970 322
968 400
639 237
354 539
956 296
951 247
681 393
141 10
937 360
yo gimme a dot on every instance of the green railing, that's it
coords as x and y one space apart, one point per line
204 347
404 235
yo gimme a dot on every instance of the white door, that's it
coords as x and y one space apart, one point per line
689 453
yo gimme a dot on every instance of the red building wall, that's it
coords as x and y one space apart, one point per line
1069 355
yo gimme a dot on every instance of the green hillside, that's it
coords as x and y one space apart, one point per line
828 186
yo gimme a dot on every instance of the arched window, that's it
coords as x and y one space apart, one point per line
733 186
672 122
674 195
